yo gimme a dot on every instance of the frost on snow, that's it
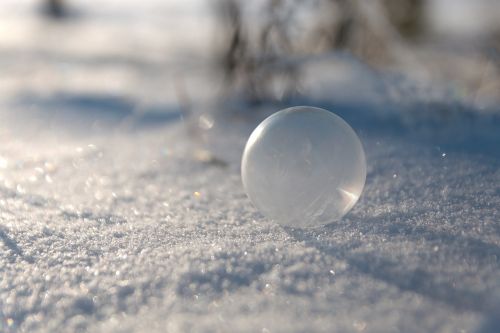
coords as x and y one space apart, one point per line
116 217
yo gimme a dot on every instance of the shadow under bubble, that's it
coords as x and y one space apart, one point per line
397 273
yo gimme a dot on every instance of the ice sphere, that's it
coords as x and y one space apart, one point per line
303 167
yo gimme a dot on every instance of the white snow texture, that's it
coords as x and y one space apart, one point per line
114 217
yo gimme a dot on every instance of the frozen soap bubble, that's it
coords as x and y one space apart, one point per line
304 167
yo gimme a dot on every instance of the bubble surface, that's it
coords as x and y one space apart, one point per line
304 167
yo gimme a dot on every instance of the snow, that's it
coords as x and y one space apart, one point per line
115 217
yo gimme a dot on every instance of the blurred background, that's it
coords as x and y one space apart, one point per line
449 47
122 124
115 59
430 67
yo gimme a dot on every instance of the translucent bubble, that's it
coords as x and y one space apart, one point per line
304 167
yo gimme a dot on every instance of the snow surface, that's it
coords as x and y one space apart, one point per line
117 216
